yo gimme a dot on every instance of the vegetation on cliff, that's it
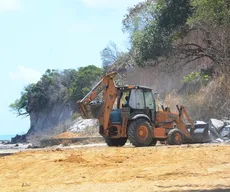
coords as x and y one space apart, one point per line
158 30
170 34
56 86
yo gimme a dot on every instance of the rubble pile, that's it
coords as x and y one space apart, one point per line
219 130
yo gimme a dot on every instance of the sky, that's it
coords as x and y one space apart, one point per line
57 34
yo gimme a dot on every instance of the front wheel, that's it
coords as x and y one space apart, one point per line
115 142
175 137
140 133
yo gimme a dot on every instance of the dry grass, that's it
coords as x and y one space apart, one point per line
211 101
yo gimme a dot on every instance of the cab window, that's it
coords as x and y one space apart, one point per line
149 101
136 100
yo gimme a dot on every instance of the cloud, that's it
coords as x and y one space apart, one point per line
10 5
115 4
27 75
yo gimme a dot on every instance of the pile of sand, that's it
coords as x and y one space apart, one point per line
67 135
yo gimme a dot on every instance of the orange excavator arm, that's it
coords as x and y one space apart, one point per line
180 121
107 86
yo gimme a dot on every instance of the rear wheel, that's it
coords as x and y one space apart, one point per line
140 133
118 142
175 137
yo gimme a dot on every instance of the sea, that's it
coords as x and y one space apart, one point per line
6 137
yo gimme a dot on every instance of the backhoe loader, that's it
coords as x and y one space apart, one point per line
138 119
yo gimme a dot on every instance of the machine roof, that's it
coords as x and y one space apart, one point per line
135 87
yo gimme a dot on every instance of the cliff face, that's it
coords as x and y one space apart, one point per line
44 123
161 82
50 117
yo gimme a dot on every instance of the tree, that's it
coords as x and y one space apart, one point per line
19 106
84 81
154 26
55 87
139 17
109 55
212 20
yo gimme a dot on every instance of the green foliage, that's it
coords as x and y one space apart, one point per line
151 43
214 11
194 77
154 27
139 17
173 14
86 78
19 106
56 86
157 31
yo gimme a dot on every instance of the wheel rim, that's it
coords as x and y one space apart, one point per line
143 132
178 138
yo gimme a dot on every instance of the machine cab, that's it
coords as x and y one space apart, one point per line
141 99
134 102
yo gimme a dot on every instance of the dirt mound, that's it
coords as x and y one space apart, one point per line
67 135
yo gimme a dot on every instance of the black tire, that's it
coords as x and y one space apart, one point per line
175 137
153 142
112 142
140 133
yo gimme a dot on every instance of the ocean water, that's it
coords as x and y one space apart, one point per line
6 137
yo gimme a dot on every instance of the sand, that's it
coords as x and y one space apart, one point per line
161 168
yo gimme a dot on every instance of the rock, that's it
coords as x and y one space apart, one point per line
19 139
44 123
218 124
218 140
225 131
220 130
25 184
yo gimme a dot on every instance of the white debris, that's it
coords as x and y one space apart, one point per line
225 132
200 123
220 130
227 122
80 124
218 124
218 140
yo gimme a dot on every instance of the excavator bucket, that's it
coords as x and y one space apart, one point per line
200 133
91 110
91 107
199 130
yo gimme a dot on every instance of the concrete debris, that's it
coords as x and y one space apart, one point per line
218 124
81 124
225 131
219 130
